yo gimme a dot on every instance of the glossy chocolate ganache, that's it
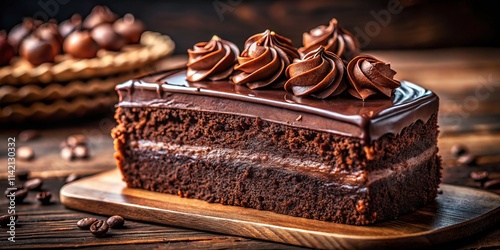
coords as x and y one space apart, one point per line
344 115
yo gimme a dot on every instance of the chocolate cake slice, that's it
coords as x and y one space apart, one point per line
339 159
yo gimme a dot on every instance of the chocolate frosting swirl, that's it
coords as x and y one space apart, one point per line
319 73
271 39
264 60
334 38
213 60
370 76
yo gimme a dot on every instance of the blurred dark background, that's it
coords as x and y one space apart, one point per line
379 24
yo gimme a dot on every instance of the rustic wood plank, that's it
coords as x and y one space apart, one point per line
49 163
49 218
54 226
458 212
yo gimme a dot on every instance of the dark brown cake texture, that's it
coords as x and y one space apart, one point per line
311 135
340 160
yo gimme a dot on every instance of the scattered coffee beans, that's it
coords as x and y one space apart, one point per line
492 184
67 153
44 197
72 177
81 151
99 228
458 150
6 219
75 140
85 223
28 135
18 187
25 153
33 184
19 194
63 144
115 221
479 175
22 175
467 159
75 147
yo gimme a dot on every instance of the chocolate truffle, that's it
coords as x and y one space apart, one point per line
80 45
6 50
99 15
107 38
68 26
50 33
21 31
36 50
130 28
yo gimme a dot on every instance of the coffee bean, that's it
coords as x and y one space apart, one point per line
44 197
99 228
81 151
19 194
75 140
7 218
458 150
67 153
492 184
467 159
16 187
28 135
115 221
479 175
85 223
63 144
22 175
25 153
33 184
72 177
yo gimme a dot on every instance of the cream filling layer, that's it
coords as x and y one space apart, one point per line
335 175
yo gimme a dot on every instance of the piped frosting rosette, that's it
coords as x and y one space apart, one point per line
369 76
319 74
264 60
334 38
212 60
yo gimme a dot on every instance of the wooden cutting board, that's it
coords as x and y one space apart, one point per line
457 213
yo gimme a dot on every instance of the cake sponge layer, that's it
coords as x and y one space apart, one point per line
245 161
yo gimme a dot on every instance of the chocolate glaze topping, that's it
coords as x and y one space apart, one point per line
367 120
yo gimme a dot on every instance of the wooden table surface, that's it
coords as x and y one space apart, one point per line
466 80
